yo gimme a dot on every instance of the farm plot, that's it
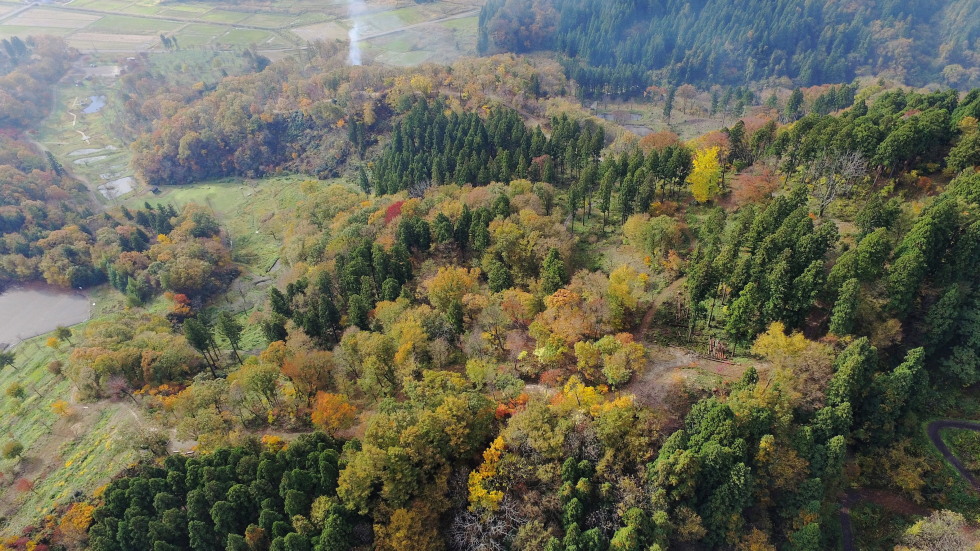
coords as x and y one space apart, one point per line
52 19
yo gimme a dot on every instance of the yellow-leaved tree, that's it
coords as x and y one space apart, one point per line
705 177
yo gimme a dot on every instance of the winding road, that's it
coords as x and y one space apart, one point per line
933 431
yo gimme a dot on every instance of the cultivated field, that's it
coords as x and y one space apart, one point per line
397 32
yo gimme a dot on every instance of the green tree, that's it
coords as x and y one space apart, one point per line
231 330
201 337
7 358
853 370
669 103
498 276
845 309
357 311
552 272
63 333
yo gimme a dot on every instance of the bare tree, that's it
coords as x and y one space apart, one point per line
473 531
835 174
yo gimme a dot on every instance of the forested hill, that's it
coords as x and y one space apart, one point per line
620 46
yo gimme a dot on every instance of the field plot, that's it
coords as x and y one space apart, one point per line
9 31
396 32
132 25
243 38
6 9
427 42
52 18
111 41
330 30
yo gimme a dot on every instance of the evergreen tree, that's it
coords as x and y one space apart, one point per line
552 272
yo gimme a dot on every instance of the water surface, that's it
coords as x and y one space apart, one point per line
34 310
98 102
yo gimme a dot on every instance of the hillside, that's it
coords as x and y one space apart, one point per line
451 307
621 47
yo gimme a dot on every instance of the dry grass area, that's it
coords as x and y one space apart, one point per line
52 18
330 30
95 40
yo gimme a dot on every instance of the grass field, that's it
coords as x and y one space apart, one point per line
243 208
255 237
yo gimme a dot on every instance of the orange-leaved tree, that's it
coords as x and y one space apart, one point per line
332 413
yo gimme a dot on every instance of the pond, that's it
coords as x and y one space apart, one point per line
29 311
117 188
98 102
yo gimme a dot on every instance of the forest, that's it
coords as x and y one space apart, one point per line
498 322
622 47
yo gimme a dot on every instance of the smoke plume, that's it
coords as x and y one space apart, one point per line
354 9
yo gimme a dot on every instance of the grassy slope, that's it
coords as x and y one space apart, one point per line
61 455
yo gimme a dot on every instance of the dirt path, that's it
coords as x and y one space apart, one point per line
18 11
934 429
901 505
659 301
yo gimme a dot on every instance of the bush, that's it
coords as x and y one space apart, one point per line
12 449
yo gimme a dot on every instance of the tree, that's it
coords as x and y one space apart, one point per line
853 371
552 272
12 449
966 153
835 174
232 330
498 276
357 311
845 309
7 358
705 178
15 390
941 531
794 105
414 529
669 103
201 337
63 334
332 413
743 314
61 408
450 284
